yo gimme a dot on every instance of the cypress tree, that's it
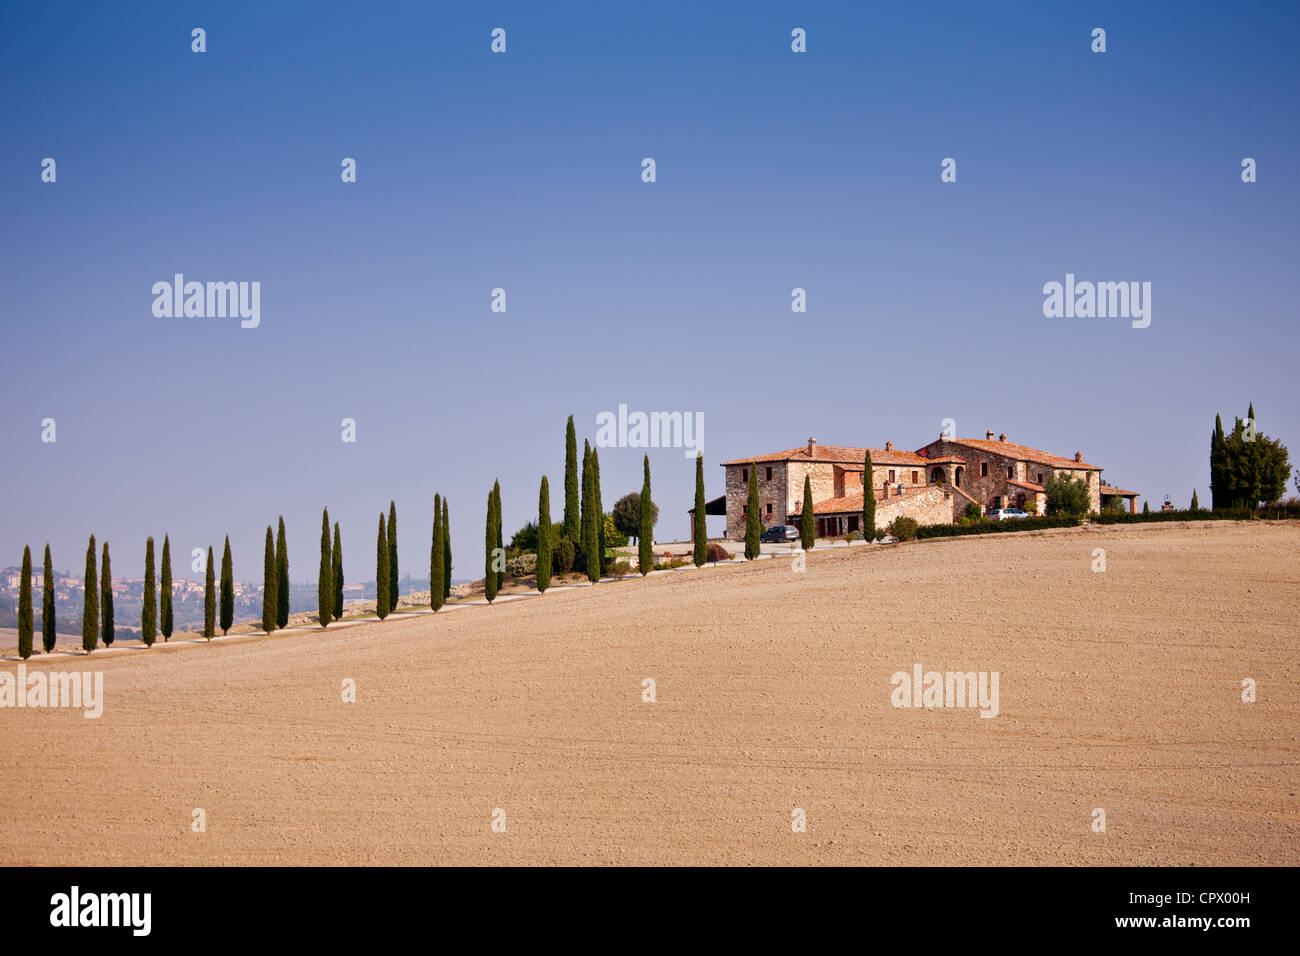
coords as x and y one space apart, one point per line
90 605
26 624
383 565
47 605
753 524
544 537
393 556
489 542
1146 507
600 510
446 551
1195 505
325 579
336 573
165 591
270 578
1218 456
436 574
590 539
227 589
645 536
572 516
149 612
868 499
106 600
700 526
496 526
209 599
281 578
807 526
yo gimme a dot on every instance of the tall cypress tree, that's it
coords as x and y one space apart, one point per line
496 527
392 556
336 573
1218 456
383 566
599 508
645 535
436 574
227 589
868 498
753 524
543 537
26 623
149 611
90 605
165 591
48 631
590 540
490 542
446 551
107 631
700 526
807 526
281 578
270 581
572 515
325 578
209 599
1195 504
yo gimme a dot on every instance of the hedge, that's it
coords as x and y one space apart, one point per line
993 527
1283 510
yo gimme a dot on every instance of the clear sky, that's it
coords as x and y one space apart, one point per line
522 170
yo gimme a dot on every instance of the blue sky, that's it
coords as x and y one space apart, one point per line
522 170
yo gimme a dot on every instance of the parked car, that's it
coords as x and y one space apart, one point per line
779 533
1002 514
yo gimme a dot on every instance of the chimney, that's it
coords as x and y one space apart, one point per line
889 446
812 443
1078 456
1002 437
989 435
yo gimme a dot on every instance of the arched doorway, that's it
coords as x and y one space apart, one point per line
936 476
957 478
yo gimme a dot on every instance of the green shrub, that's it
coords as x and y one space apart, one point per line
984 526
902 528
522 565
973 511
614 538
564 556
525 539
1066 495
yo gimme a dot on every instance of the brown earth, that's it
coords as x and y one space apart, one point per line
1118 690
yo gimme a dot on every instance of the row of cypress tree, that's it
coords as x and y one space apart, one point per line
98 617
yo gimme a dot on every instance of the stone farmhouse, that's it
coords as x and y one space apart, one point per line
933 484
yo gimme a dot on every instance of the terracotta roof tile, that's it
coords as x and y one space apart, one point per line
1028 485
1108 490
835 453
1010 449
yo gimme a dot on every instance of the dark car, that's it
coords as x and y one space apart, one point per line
779 533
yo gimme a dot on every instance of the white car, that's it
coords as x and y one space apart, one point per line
1002 514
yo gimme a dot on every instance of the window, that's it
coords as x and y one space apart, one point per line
744 511
1040 477
769 474
914 481
744 474
769 508
984 469
891 474
1011 471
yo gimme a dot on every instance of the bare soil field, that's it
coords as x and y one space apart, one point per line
1119 690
